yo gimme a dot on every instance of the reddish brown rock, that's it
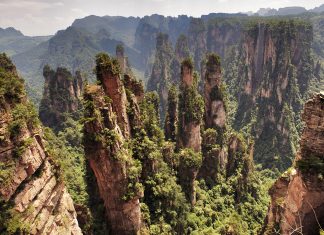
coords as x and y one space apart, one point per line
110 162
190 117
297 198
30 181
108 73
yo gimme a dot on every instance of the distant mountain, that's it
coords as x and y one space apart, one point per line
318 9
287 11
73 48
119 28
281 11
12 41
9 32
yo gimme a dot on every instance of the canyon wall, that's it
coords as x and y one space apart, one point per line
34 199
297 204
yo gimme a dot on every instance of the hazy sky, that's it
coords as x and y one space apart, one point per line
44 17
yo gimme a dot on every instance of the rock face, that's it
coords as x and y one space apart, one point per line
297 204
215 113
214 153
62 96
189 121
109 76
161 72
197 40
189 110
106 130
34 198
275 67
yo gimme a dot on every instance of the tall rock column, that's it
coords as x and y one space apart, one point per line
108 73
214 154
215 112
161 71
191 109
62 95
297 197
105 137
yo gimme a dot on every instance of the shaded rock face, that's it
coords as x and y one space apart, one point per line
221 35
62 95
171 119
297 197
275 67
106 130
181 52
197 40
35 199
214 158
161 71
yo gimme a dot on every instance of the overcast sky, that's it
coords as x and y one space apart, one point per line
45 17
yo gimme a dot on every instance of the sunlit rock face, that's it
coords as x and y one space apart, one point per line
297 204
35 200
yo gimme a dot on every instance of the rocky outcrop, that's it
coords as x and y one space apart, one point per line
215 108
106 130
297 204
190 117
34 198
214 153
274 71
61 97
108 74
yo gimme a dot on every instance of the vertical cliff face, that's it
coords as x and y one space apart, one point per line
108 73
222 34
297 197
215 113
197 40
190 110
106 131
62 96
34 199
213 147
188 137
275 67
161 72
181 52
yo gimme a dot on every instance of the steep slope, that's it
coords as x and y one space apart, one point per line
34 199
297 197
